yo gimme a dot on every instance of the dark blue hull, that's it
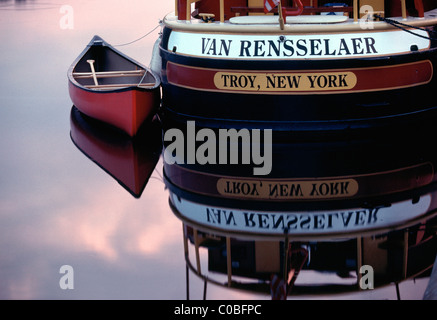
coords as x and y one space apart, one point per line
397 103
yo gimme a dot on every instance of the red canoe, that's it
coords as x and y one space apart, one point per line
111 87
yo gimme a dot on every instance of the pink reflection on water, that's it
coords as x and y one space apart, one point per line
112 224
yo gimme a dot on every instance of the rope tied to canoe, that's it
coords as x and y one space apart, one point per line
405 27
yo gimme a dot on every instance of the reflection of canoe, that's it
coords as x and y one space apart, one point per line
109 86
130 161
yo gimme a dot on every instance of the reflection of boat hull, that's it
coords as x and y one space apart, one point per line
317 265
266 220
313 171
130 161
301 189
118 99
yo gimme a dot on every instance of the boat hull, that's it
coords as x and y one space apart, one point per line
377 87
118 91
297 223
127 109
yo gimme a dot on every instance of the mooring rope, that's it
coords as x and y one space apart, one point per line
405 27
142 37
136 40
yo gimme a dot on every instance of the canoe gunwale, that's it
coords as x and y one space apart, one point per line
97 41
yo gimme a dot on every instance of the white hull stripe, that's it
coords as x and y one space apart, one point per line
313 46
301 223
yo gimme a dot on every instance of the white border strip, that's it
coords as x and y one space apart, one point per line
300 222
292 47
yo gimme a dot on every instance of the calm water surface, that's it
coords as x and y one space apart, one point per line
59 208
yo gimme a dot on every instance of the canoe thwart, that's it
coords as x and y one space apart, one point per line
109 74
119 86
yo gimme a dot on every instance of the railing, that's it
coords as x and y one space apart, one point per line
183 9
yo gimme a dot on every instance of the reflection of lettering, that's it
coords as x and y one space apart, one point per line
290 47
333 189
267 189
271 82
311 221
245 188
293 222
219 216
285 190
301 222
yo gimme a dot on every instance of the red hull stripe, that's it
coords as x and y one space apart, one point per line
301 81
292 189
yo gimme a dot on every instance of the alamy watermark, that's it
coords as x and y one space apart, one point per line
67 280
228 146
367 20
67 20
367 278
